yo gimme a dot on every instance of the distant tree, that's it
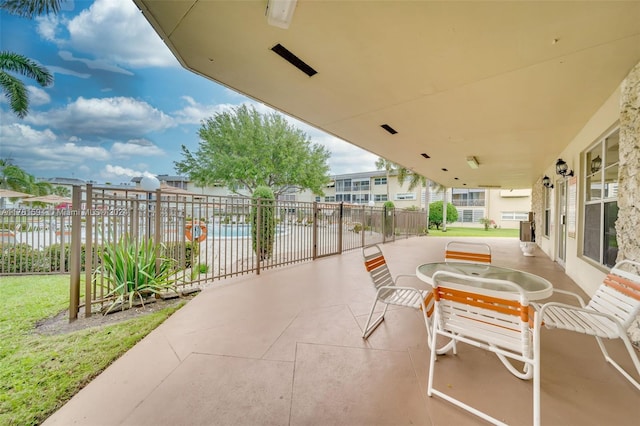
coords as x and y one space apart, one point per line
61 191
244 147
12 176
435 214
12 87
15 178
389 167
263 222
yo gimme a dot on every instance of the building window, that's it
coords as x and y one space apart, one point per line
360 198
601 200
343 185
405 196
380 197
467 197
518 216
330 199
380 181
360 185
470 215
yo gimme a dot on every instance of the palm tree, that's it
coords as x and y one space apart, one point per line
12 87
31 8
12 176
61 191
388 167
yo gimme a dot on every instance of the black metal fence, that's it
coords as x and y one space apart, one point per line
126 245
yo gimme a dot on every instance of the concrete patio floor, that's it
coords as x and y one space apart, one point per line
285 348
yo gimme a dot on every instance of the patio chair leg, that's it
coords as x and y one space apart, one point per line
368 329
632 354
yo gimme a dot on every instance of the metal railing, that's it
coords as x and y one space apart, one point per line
120 241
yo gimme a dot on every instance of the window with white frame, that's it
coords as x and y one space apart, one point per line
601 200
405 196
380 197
470 215
380 181
518 216
330 198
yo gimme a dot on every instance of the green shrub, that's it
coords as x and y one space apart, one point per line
184 254
388 218
19 258
263 218
129 270
435 214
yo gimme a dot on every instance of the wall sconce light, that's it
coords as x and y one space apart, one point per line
596 164
472 162
562 168
546 182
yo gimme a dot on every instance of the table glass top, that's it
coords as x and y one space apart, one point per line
536 286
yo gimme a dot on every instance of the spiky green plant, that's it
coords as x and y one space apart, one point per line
131 269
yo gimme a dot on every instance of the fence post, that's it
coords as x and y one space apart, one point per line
157 235
314 246
74 258
89 292
340 226
258 229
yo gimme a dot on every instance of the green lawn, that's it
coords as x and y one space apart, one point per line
38 373
475 232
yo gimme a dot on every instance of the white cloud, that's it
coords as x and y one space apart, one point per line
96 64
65 71
48 27
37 150
114 172
113 117
128 150
106 30
38 96
195 113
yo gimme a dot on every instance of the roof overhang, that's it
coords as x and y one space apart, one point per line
509 83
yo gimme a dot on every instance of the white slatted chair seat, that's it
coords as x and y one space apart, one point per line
609 313
472 310
405 297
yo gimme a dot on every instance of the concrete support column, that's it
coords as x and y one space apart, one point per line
628 223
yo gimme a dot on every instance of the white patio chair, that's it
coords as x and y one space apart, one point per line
389 293
608 315
467 251
490 314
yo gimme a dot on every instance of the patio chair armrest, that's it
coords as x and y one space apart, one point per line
397 277
570 293
586 311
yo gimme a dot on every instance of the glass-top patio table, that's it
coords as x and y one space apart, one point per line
536 287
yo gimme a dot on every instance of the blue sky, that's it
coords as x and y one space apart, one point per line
121 105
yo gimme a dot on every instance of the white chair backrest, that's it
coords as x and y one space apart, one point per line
466 251
492 311
619 294
376 265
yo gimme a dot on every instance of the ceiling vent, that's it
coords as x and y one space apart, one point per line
389 129
294 60
425 155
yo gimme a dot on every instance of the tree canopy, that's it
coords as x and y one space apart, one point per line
244 147
435 214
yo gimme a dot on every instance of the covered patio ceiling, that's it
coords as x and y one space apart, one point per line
509 83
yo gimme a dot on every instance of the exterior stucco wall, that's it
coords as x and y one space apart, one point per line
621 109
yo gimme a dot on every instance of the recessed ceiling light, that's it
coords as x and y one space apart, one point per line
445 170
